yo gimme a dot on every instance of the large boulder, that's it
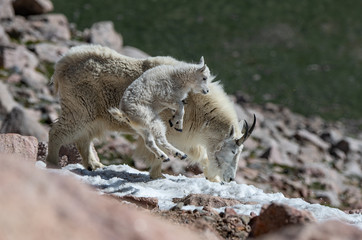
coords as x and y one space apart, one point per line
277 216
331 230
40 205
32 7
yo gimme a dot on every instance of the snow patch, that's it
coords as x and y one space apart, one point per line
123 180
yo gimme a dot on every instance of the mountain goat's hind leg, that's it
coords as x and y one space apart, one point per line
159 133
155 165
87 151
151 145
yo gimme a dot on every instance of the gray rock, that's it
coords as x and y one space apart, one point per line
20 29
6 9
289 146
332 136
275 155
22 122
34 79
103 33
17 57
328 197
52 27
133 52
50 52
304 135
310 153
32 7
4 38
6 101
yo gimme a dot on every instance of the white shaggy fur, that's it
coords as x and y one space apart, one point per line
92 79
155 90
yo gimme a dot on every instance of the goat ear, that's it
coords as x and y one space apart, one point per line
202 62
201 69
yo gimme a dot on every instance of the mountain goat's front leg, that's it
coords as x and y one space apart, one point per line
177 119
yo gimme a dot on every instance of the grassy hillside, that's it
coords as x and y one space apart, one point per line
306 54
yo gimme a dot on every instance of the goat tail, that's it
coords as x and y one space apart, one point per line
118 115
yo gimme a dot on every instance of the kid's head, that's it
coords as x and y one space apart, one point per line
203 78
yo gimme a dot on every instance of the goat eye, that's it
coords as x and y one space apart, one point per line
233 151
204 78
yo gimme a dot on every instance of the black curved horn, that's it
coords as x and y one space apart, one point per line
247 132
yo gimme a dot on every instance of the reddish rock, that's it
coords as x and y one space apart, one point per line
41 205
32 7
25 147
69 154
144 202
276 216
330 230
207 200
103 33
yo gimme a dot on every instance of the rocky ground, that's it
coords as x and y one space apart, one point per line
301 157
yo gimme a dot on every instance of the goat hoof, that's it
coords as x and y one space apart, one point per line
184 157
179 130
166 160
171 124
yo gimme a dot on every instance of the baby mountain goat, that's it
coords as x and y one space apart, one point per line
154 91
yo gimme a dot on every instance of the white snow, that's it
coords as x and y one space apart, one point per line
123 180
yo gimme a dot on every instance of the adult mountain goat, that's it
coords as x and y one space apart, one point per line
92 79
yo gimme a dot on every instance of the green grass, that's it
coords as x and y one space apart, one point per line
305 55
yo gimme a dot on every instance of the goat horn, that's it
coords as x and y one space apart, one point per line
247 132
